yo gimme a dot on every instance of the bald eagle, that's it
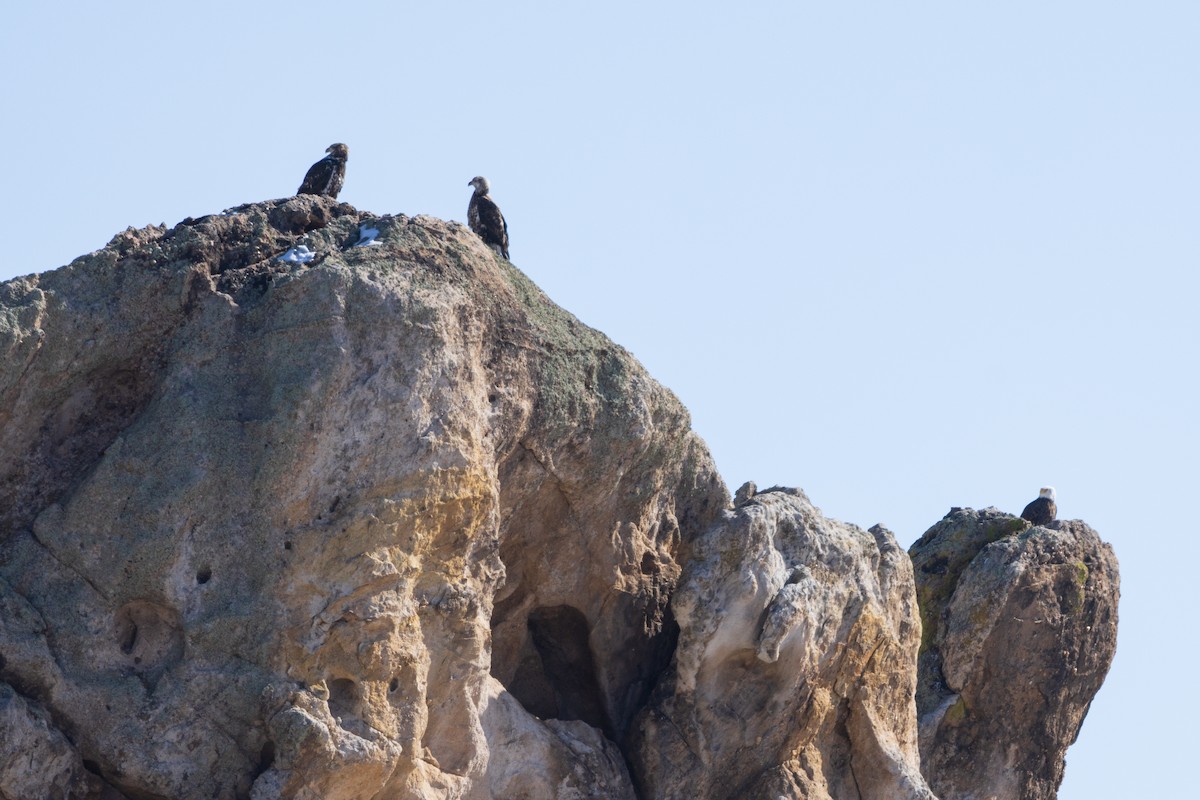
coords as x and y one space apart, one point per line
325 177
484 217
1042 510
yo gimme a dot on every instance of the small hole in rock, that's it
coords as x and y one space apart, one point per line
204 575
394 685
491 398
130 639
343 698
91 766
151 635
287 545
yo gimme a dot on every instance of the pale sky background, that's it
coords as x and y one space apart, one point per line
904 256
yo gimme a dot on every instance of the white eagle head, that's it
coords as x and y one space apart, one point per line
338 149
1048 493
481 184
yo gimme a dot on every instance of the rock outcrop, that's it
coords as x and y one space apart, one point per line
302 502
273 527
1020 627
793 673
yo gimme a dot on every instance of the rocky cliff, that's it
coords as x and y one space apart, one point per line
302 502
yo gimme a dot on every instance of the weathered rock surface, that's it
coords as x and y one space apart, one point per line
389 524
1020 627
793 673
36 760
273 527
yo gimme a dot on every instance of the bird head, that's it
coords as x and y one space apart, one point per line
481 184
340 150
1048 493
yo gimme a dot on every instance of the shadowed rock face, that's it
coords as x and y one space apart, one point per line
387 523
1020 630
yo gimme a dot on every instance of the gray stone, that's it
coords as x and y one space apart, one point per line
37 760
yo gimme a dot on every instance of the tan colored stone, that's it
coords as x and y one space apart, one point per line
280 523
1021 627
793 673
391 524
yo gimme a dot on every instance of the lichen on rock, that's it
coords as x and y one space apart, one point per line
387 523
1020 631
280 523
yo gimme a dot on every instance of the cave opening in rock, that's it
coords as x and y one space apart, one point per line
559 680
343 698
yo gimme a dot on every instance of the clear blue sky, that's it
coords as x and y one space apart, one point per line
904 256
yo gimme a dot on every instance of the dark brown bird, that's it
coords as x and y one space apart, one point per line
326 176
484 217
1042 510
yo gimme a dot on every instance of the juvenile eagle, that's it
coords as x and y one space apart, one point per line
325 177
1042 510
484 217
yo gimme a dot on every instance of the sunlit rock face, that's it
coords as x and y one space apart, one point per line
298 501
1020 630
793 676
321 528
